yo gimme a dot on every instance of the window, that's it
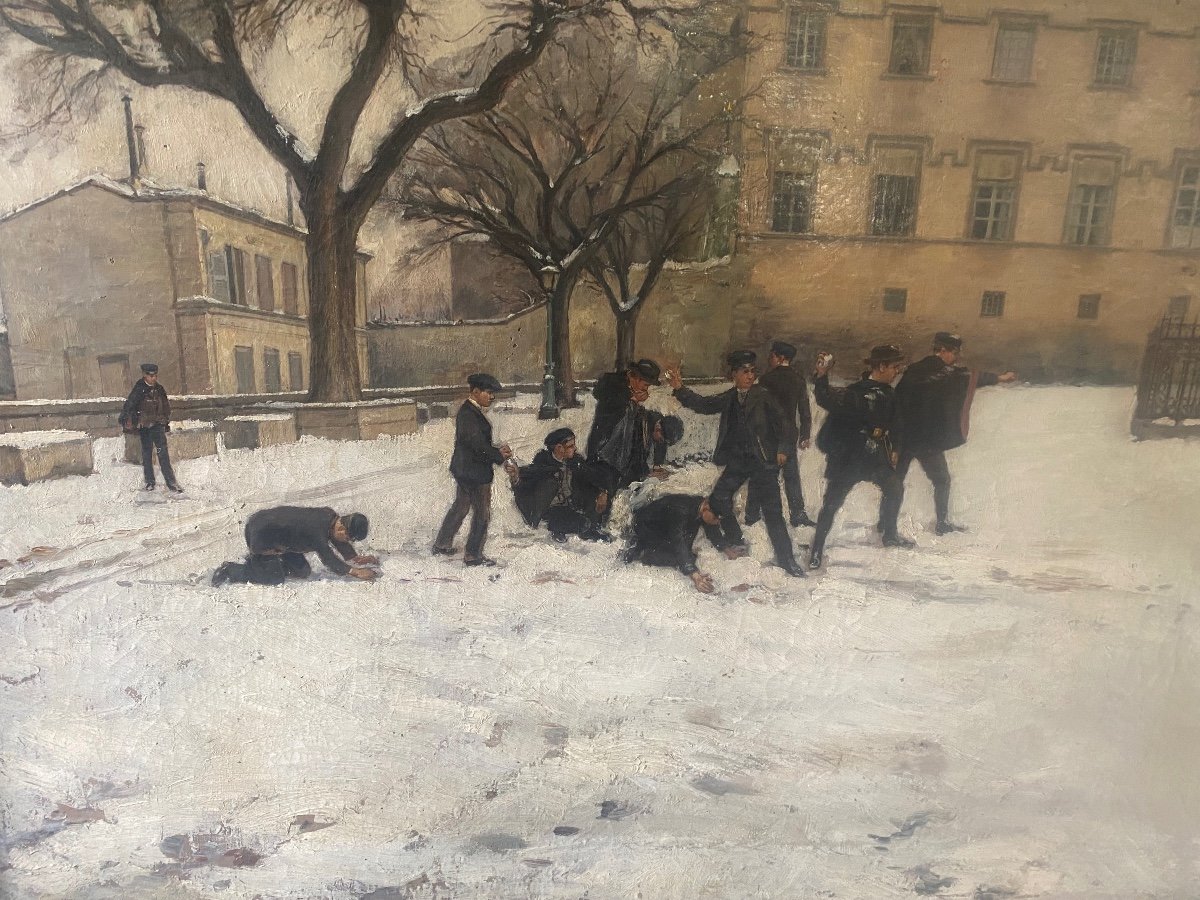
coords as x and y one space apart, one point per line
1013 59
272 383
895 300
894 204
806 38
994 198
1090 208
236 262
911 40
1177 307
1185 220
218 276
1115 52
265 283
791 203
1089 306
992 306
290 286
243 364
295 372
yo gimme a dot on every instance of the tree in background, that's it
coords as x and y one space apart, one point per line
381 51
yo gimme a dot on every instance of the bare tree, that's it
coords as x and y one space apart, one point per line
589 137
215 47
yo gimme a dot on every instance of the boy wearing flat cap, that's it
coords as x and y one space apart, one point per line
753 441
859 440
561 490
148 412
471 465
622 438
934 397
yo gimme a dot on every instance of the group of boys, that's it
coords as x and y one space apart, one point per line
872 433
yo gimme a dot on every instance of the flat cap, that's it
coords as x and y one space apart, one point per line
784 349
884 354
740 358
946 340
647 369
481 381
150 368
558 436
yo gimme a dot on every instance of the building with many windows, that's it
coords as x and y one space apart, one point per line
1025 173
104 275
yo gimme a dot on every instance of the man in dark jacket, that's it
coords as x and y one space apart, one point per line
934 397
622 437
561 490
664 531
279 538
752 443
148 412
858 439
471 465
786 383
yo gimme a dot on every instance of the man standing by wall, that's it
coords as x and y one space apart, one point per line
148 412
787 385
471 465
934 397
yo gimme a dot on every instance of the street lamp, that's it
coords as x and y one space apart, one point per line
548 275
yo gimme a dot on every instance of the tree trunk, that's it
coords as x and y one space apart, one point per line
626 336
332 295
564 374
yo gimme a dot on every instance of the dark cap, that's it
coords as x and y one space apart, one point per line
884 354
356 526
672 429
741 358
945 340
558 436
647 369
481 381
784 349
149 368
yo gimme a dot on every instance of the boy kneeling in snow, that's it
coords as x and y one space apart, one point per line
279 538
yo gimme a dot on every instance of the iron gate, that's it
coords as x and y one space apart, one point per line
1169 386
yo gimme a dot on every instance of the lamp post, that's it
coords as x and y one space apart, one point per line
549 408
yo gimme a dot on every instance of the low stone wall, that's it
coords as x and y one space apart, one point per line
37 456
187 440
253 432
356 421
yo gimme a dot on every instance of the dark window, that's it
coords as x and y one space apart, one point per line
290 287
243 364
272 382
994 200
265 283
1185 219
791 203
1090 209
806 38
1013 59
992 305
895 299
1089 306
218 276
895 208
911 40
236 261
295 372
1115 53
1177 307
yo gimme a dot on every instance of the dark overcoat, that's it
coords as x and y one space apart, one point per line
862 426
666 529
788 387
540 481
298 529
932 397
474 456
146 405
769 435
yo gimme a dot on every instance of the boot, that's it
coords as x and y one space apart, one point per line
944 527
801 520
896 540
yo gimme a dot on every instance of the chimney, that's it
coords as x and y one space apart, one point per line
291 201
143 163
201 177
131 141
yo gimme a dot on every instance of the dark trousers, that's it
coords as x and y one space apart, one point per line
269 568
936 470
791 489
154 438
566 520
764 483
838 488
473 498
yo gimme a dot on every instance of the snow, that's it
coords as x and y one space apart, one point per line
1007 712
24 440
270 417
192 425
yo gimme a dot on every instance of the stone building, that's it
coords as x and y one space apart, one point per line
104 275
1026 173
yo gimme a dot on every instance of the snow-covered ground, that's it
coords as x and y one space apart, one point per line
1007 713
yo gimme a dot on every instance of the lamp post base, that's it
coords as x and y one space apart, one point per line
548 412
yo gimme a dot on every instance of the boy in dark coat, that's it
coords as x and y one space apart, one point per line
279 538
858 439
471 465
148 412
786 383
752 443
664 531
934 397
622 437
561 490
